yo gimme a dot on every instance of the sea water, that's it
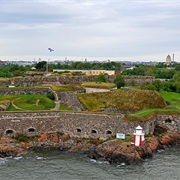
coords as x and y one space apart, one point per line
60 165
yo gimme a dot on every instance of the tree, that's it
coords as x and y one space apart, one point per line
176 77
151 71
149 87
119 81
157 84
101 78
17 73
41 65
177 67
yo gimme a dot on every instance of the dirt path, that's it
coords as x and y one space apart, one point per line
56 106
12 102
37 102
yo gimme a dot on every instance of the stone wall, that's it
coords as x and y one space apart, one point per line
169 122
84 125
53 80
56 80
70 100
75 79
13 91
138 80
27 81
5 82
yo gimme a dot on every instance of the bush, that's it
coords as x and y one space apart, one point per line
101 78
149 87
133 82
23 138
119 81
50 96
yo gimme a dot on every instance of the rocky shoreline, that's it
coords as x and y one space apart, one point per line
10 147
128 153
114 151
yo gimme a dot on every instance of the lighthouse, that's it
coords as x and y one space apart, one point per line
138 136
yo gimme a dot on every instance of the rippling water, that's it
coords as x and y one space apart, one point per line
55 165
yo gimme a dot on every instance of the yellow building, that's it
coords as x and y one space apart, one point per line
90 72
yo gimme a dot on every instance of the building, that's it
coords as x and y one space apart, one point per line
91 72
168 59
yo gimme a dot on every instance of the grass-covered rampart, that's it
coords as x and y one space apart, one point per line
101 85
134 100
68 87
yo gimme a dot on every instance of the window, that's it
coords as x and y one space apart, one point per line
109 132
9 131
79 130
168 121
93 131
31 130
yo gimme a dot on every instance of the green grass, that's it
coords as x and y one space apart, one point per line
12 108
173 108
171 97
68 87
29 102
4 79
63 107
99 85
23 88
135 87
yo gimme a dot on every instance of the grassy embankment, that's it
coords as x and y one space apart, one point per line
173 105
68 87
35 102
146 103
28 102
134 100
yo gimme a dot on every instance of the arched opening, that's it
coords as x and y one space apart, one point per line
9 131
79 130
93 131
109 132
168 121
31 130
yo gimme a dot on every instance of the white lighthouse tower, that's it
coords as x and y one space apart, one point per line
138 136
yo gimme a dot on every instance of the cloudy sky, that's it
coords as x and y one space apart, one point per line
141 30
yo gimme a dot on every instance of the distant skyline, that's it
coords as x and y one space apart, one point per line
134 30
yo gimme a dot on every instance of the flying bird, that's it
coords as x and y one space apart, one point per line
50 49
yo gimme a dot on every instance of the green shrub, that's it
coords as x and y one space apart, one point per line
119 81
24 138
50 96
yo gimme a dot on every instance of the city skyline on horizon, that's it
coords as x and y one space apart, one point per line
74 58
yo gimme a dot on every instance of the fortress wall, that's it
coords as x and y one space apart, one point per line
84 125
170 122
138 80
71 100
56 80
75 79
13 91
5 82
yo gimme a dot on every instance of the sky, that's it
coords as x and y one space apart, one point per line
135 30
